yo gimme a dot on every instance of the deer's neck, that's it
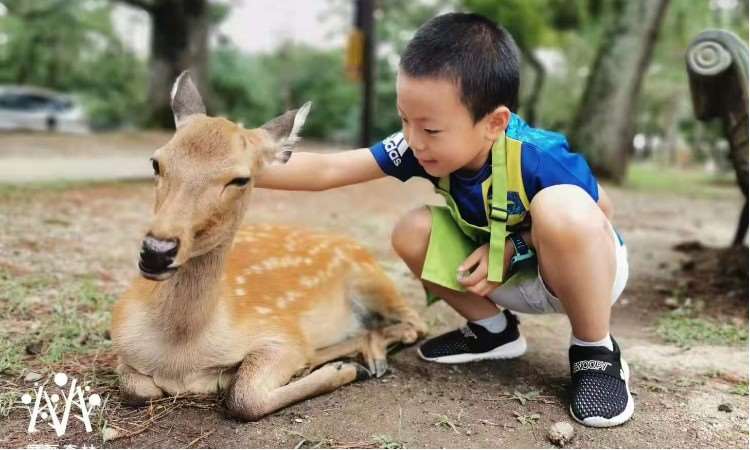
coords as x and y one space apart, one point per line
188 301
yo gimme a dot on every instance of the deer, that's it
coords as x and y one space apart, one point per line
263 315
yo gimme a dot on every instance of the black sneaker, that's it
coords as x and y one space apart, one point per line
600 392
473 342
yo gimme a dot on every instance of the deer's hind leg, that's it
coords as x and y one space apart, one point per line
260 384
372 345
374 291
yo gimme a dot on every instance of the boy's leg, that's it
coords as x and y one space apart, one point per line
576 256
578 264
478 340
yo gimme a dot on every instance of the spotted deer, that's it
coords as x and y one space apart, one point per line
242 310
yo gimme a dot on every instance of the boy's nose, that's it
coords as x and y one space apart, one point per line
416 143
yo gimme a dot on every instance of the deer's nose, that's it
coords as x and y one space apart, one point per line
157 254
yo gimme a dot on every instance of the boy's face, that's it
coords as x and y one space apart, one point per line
439 128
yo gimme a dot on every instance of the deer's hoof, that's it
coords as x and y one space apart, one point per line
362 372
381 367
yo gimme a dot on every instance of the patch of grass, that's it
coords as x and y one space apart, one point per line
527 419
78 322
60 320
16 292
740 389
649 177
446 423
524 397
385 441
683 328
7 400
310 441
10 357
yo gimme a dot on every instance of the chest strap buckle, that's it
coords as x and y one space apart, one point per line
498 214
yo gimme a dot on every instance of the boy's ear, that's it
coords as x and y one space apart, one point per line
186 100
284 133
497 122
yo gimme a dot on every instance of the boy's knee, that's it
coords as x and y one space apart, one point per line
411 235
566 214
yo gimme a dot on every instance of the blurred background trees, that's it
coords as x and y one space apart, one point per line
567 84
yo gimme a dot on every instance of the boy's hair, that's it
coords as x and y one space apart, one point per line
471 50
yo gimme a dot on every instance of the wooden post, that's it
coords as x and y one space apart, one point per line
365 23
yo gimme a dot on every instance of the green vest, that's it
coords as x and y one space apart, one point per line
506 176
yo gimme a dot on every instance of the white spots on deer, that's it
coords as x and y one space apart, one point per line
309 282
287 298
263 310
318 248
239 292
240 280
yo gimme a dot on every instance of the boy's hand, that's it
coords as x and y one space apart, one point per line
476 281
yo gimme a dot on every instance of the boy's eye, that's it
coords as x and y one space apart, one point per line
431 131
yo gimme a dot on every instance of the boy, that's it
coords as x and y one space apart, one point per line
457 85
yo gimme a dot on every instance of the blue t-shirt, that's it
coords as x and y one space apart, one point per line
546 160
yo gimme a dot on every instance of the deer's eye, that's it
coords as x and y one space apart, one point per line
239 182
155 165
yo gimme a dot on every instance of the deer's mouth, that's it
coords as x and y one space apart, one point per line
156 275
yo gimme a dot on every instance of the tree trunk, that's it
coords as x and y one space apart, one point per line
179 42
603 125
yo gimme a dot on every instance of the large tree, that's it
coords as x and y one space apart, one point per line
603 125
179 41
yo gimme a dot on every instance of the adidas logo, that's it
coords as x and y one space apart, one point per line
395 145
591 364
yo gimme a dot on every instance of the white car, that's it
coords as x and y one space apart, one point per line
38 109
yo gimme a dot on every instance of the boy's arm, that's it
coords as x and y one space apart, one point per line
320 171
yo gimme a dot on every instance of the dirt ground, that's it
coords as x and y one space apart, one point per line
69 233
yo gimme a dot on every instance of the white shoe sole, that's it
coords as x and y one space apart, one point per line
603 422
506 351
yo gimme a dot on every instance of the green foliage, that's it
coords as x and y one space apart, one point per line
244 87
385 441
740 389
71 46
256 88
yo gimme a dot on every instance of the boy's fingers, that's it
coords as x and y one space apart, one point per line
471 260
479 274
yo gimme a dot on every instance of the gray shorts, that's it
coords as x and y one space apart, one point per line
533 297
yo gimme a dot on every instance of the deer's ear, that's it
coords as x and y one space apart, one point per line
284 133
186 100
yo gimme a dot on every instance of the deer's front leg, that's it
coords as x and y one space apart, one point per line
136 388
260 386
